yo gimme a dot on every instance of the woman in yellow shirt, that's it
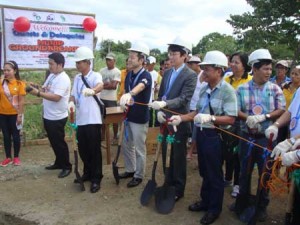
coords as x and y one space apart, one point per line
12 95
291 87
240 75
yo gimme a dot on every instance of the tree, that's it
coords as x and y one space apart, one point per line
108 45
216 41
274 24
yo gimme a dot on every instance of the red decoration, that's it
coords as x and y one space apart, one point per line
89 24
22 24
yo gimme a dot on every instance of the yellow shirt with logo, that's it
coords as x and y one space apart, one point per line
235 83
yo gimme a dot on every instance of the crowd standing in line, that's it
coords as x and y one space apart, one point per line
186 90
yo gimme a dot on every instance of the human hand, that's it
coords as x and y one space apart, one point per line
71 107
271 130
88 92
290 158
157 105
175 120
202 118
125 100
253 120
161 117
281 148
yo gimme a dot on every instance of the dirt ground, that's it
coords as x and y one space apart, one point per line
32 195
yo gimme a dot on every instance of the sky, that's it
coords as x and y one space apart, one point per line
155 22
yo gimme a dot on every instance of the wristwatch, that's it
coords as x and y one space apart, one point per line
268 116
292 140
213 118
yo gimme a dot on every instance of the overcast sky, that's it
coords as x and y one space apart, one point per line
156 22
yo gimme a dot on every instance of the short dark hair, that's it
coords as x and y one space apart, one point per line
177 48
262 62
58 58
244 60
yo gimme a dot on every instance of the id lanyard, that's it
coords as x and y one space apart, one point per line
132 85
258 108
49 83
79 90
294 120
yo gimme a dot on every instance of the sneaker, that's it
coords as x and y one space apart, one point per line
235 191
6 162
17 161
227 183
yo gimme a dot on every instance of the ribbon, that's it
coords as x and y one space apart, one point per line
170 138
159 138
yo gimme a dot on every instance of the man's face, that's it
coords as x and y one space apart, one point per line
210 74
167 65
176 59
134 61
82 66
193 65
263 74
53 66
110 63
281 71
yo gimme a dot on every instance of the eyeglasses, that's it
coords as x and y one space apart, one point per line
172 54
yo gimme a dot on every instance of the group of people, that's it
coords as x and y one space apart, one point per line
193 98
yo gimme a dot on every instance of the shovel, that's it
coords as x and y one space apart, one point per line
115 168
151 185
74 143
165 195
253 219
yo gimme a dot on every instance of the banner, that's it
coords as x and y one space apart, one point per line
49 32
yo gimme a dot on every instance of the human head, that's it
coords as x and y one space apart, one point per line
178 51
239 61
282 68
213 66
83 56
193 63
151 63
11 70
261 61
110 60
56 62
167 64
295 75
137 55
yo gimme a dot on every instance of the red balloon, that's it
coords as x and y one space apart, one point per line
89 24
22 24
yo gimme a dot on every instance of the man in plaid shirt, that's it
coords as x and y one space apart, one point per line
260 102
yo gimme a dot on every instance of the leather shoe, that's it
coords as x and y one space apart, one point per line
95 187
84 178
197 207
177 197
126 175
209 218
53 167
64 173
134 182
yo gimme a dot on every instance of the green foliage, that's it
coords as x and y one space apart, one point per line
216 41
274 24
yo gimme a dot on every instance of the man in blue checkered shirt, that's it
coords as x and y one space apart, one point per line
260 102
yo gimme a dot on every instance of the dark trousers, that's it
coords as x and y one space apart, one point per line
89 147
9 129
177 171
56 134
249 155
210 159
232 165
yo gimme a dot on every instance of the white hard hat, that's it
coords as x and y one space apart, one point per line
83 53
195 59
259 54
139 47
179 41
215 58
151 59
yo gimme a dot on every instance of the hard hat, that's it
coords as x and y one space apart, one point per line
283 63
195 59
216 58
179 41
259 54
139 47
83 53
151 59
